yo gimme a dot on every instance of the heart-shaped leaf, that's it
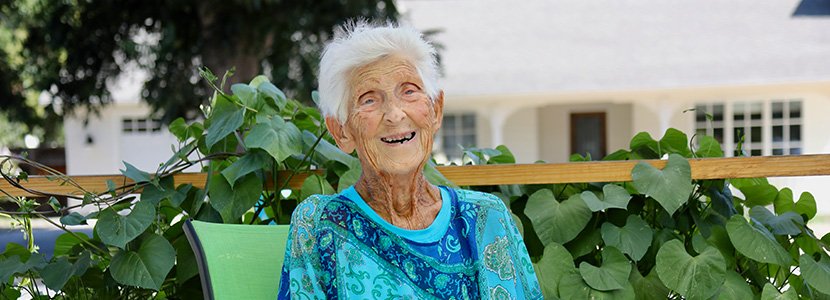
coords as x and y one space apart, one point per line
708 147
13 249
186 266
115 229
258 80
18 264
808 244
246 93
643 146
671 186
73 218
57 273
571 286
771 293
618 155
327 151
693 277
788 223
181 194
756 242
134 173
735 287
65 242
147 267
585 242
719 238
308 119
349 179
633 239
613 196
784 201
434 176
724 208
816 274
8 266
556 262
675 141
250 162
762 194
555 221
155 193
612 275
806 204
314 185
225 118
506 157
178 128
649 287
271 91
278 138
233 202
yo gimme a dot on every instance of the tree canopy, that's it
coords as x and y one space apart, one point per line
71 49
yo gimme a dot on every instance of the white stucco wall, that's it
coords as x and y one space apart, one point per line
98 157
554 128
521 135
110 146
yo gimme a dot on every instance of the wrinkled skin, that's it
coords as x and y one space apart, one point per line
391 123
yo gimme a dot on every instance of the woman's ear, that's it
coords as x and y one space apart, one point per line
438 106
341 136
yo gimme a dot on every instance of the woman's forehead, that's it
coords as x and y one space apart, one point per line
392 67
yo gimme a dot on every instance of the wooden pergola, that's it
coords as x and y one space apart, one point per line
574 172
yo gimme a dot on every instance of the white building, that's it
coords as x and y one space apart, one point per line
120 132
525 73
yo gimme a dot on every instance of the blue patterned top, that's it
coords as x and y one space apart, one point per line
339 247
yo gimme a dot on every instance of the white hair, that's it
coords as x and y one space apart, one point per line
359 43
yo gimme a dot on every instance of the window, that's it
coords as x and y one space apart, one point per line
457 131
758 127
786 127
140 125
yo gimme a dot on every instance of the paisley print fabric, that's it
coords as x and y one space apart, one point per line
339 247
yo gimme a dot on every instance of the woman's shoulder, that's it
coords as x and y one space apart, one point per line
309 209
481 199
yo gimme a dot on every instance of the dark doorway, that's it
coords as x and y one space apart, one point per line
588 134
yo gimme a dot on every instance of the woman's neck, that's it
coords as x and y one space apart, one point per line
407 201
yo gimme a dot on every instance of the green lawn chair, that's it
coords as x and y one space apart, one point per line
238 261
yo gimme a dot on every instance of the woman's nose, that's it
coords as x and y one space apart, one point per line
393 112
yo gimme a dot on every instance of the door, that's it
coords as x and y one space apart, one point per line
588 134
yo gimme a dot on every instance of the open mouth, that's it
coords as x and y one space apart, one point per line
398 139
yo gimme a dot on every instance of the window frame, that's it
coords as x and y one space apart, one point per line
459 131
729 122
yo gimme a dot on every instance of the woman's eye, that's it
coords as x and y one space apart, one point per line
367 101
409 92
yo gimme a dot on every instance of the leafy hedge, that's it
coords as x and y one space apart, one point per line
662 235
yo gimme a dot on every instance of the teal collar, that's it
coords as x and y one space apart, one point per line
431 234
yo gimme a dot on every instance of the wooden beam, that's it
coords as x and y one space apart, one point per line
616 171
600 171
98 183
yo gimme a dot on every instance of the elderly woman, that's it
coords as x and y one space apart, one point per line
393 234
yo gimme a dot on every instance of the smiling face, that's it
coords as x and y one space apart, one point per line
391 121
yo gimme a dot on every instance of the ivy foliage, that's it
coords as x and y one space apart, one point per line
664 235
661 235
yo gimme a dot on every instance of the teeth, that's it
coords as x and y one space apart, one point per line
401 140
